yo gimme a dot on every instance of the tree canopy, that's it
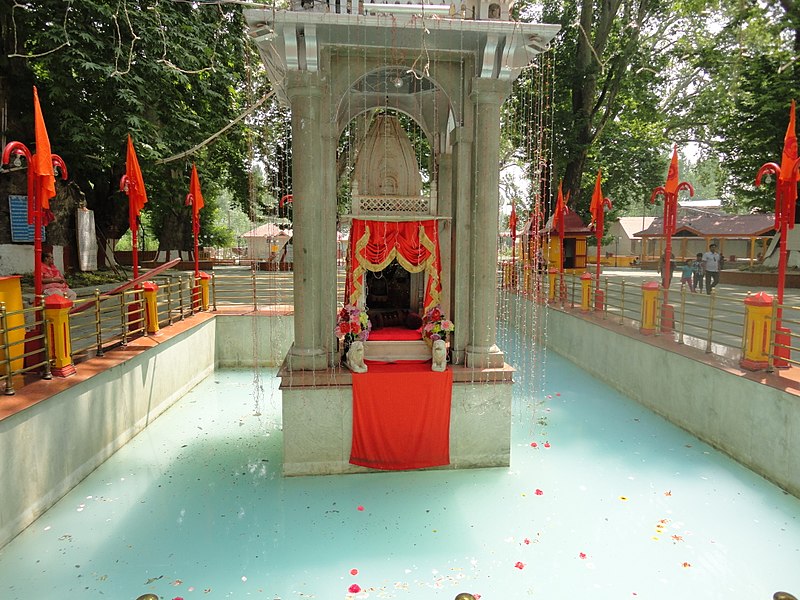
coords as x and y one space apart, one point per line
630 78
171 74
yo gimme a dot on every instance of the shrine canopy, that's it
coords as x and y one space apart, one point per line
375 244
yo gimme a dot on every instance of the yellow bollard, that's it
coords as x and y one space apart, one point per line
205 278
586 292
11 295
56 312
151 306
650 291
757 331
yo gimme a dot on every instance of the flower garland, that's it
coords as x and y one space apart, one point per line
352 324
435 326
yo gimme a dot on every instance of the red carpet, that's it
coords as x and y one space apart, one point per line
401 417
394 334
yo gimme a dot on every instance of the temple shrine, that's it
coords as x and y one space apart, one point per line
422 236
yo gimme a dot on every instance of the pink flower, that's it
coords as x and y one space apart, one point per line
534 445
354 589
353 571
527 541
539 492
582 555
520 565
361 508
547 444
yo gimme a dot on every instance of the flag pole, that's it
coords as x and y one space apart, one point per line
785 197
669 191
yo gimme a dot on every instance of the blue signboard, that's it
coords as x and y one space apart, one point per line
21 231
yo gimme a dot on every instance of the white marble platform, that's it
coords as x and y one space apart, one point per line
396 350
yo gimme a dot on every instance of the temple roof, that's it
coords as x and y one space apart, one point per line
573 225
268 230
704 224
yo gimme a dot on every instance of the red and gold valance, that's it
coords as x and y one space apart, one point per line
375 244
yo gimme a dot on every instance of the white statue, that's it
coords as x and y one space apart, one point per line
439 356
354 359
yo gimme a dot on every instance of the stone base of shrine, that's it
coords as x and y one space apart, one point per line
318 420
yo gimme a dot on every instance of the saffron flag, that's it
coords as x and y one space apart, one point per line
788 174
671 186
137 196
596 208
45 182
561 209
512 222
197 199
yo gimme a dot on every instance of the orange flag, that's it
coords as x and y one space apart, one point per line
561 208
137 196
197 199
789 175
596 207
45 181
512 222
671 186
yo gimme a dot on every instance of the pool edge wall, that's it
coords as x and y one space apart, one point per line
755 424
51 446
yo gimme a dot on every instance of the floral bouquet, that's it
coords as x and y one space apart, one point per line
352 324
435 326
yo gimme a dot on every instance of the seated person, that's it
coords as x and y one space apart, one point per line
53 281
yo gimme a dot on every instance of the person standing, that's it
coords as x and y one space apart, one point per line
712 262
687 275
699 272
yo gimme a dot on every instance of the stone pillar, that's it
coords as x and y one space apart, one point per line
304 90
460 240
445 209
327 232
482 351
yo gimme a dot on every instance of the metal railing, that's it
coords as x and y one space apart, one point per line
714 323
24 346
785 336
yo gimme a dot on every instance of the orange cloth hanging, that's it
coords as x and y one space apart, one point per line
375 244
43 173
401 417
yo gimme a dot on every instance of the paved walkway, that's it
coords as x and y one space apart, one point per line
632 275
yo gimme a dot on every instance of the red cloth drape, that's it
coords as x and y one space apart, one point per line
401 417
375 244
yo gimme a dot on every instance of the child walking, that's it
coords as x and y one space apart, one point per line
687 275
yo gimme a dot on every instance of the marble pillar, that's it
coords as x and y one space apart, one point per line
304 90
460 241
487 97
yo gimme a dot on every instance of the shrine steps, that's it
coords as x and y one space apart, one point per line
396 350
